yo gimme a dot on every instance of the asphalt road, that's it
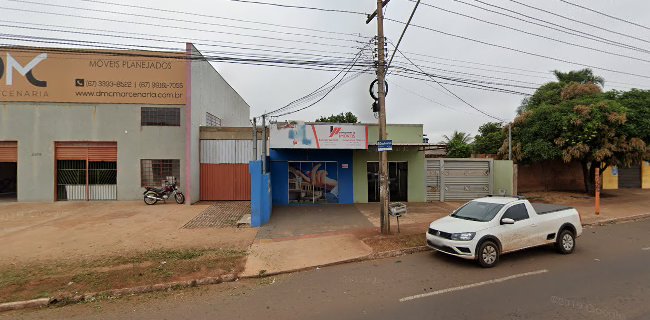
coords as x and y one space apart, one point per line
607 277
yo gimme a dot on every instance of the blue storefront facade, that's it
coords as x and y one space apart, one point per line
311 176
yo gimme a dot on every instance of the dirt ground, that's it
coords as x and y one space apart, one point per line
31 232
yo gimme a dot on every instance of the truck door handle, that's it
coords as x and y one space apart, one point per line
533 225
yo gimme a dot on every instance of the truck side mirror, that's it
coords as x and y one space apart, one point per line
507 221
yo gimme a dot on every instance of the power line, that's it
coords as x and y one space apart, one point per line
124 36
578 21
522 51
299 7
196 14
177 27
553 26
548 74
455 95
180 20
394 83
315 92
227 57
534 34
606 15
120 34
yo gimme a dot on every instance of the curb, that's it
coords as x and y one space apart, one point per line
372 256
68 299
615 220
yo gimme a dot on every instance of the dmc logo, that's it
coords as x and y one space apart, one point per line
26 71
334 131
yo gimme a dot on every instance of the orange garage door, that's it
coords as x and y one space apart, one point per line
225 182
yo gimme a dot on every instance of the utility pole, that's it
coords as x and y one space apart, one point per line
255 139
264 143
384 218
510 141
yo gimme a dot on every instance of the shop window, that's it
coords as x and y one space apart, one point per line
151 116
154 172
212 120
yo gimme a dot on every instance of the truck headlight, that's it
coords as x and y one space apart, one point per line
463 236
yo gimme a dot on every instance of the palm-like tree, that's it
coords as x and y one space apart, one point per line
580 76
457 136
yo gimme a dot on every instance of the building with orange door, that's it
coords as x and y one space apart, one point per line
84 124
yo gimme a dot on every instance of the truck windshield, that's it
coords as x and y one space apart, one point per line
478 211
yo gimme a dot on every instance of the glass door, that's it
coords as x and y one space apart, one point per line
313 182
397 181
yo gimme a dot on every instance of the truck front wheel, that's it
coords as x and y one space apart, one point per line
488 254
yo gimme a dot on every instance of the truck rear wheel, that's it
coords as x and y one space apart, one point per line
566 242
488 254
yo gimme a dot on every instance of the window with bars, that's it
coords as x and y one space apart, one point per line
154 172
212 120
152 116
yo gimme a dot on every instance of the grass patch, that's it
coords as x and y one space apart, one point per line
38 280
383 243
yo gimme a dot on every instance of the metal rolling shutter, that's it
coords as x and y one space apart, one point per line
8 151
91 151
629 177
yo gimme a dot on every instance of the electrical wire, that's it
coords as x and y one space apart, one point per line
606 15
178 27
534 34
292 103
578 21
553 26
522 51
299 7
181 20
196 14
459 98
151 37
394 83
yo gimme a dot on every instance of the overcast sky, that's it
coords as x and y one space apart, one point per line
409 101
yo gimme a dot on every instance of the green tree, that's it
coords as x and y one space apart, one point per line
347 117
458 145
586 125
490 138
583 76
551 92
638 104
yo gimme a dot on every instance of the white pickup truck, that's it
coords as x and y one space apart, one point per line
485 228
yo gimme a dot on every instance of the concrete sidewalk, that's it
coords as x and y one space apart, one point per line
33 232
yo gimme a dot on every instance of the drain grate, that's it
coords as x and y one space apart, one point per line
222 214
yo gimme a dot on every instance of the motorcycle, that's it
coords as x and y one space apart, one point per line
153 195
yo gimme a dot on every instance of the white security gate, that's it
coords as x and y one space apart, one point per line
458 179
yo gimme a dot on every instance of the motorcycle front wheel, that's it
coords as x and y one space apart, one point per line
180 198
150 198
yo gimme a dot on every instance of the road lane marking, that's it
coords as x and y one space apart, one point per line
646 249
473 285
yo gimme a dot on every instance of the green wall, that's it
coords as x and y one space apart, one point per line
502 177
416 175
399 133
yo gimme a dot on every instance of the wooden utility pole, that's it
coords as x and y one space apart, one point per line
597 185
383 135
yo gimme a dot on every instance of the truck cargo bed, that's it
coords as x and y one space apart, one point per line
544 208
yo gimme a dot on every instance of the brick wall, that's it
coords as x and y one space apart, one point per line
550 176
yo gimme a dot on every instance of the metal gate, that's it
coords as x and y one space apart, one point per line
629 177
224 169
86 170
458 179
